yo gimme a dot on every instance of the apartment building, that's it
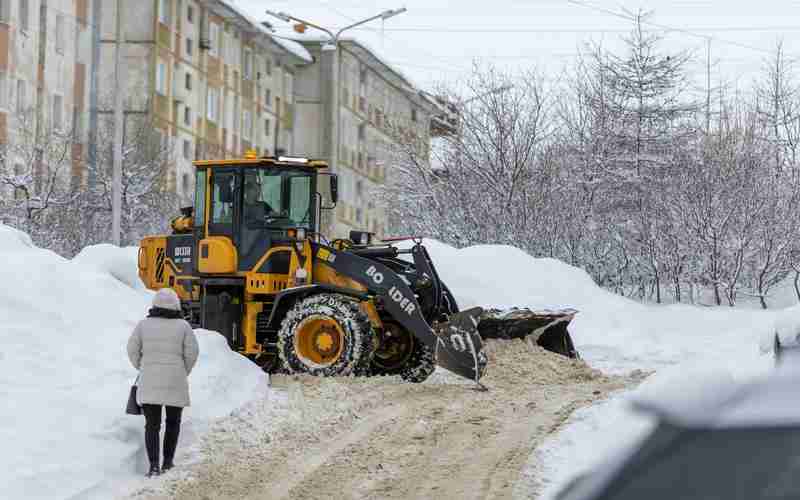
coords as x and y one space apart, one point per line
376 104
214 81
44 63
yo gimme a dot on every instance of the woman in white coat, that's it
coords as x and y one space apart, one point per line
164 350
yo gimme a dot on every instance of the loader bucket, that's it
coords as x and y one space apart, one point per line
459 347
547 329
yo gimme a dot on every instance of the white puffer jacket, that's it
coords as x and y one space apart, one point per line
164 350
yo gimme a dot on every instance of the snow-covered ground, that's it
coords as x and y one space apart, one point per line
64 374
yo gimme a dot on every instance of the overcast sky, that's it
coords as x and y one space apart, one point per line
437 40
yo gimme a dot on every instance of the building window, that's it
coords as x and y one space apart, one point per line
189 47
60 33
213 37
266 127
190 14
187 150
24 15
188 81
248 124
213 104
414 114
362 132
21 96
268 98
3 91
164 9
19 171
269 66
161 78
58 112
187 116
248 64
186 183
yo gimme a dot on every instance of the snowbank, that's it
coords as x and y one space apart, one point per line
113 260
65 376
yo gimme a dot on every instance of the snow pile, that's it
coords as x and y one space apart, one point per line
113 260
65 376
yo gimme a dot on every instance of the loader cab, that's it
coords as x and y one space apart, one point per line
245 207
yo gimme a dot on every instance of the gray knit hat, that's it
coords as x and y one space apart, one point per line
166 298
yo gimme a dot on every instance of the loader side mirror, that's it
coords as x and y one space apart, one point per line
328 189
334 188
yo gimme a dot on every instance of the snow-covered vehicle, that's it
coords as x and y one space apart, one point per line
727 441
249 261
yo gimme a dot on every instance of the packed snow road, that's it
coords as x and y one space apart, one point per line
383 438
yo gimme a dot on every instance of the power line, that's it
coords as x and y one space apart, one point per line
433 29
629 17
375 30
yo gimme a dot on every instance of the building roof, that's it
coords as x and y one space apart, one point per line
366 52
246 22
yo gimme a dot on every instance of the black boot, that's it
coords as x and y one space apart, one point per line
171 432
151 438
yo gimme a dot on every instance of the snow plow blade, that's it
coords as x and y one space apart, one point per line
459 347
546 328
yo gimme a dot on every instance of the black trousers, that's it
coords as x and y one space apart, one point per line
152 427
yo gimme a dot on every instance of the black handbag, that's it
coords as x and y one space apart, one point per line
133 407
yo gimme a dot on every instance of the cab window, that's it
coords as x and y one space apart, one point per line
300 200
200 199
222 204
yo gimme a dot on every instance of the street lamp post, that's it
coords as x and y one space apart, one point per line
330 68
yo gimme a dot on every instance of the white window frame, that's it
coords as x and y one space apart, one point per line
21 98
247 127
5 10
212 103
60 43
187 113
187 149
165 12
24 15
161 78
190 13
57 117
247 64
213 38
4 90
189 47
267 127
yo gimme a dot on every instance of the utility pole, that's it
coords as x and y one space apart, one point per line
93 90
119 135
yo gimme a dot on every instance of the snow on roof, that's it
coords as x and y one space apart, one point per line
406 83
290 46
294 47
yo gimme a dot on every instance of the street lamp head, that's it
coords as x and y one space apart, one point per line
392 12
283 16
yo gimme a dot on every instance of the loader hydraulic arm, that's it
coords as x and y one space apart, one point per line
457 344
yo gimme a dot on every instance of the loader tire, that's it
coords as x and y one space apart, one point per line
326 335
420 366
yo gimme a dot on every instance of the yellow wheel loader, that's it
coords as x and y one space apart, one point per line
248 261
